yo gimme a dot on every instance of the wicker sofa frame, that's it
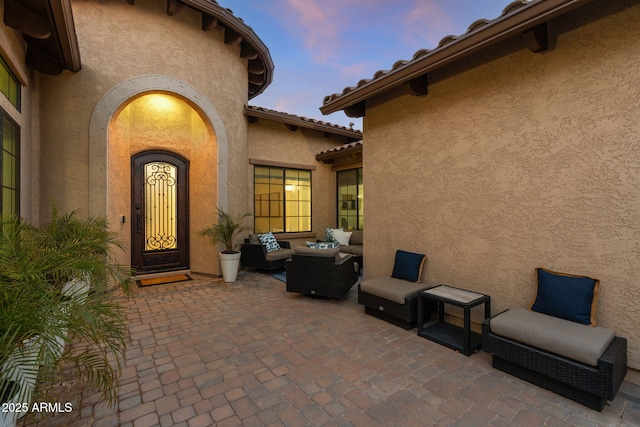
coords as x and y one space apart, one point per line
255 256
319 276
402 315
588 385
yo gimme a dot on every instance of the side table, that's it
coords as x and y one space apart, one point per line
455 337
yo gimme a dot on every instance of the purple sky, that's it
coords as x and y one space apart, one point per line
319 47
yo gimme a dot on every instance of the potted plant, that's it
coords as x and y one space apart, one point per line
58 304
225 231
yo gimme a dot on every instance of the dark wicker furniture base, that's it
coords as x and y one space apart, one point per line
403 315
588 385
254 256
321 276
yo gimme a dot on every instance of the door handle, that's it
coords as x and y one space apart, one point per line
137 223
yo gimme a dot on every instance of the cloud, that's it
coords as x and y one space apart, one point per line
320 26
427 23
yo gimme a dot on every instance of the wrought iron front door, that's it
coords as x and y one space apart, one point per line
160 212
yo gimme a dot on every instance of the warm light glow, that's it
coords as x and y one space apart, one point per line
160 103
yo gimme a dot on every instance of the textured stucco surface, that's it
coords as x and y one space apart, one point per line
527 161
272 142
120 43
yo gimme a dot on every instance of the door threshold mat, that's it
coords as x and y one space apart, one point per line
163 280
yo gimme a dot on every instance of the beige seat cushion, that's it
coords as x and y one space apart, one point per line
279 254
353 250
572 340
391 289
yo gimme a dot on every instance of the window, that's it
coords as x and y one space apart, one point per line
350 199
9 85
9 165
282 200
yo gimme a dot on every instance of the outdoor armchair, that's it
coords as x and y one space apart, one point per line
255 254
321 272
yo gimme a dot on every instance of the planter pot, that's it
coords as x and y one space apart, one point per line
230 264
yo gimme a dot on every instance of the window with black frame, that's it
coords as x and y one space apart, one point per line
9 165
9 85
10 147
350 199
282 200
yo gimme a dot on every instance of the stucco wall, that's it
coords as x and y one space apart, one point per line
528 161
273 142
119 43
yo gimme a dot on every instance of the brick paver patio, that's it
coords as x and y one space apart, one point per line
206 353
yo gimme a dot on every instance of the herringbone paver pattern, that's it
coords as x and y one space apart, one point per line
206 353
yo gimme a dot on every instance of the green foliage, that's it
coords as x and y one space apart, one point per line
226 230
60 285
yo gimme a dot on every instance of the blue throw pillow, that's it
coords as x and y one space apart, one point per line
566 296
408 266
269 240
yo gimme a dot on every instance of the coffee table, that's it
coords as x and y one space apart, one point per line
452 336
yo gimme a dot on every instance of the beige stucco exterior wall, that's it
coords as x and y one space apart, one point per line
528 161
119 43
271 142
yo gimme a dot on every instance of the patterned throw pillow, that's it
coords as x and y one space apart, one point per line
323 245
329 233
269 240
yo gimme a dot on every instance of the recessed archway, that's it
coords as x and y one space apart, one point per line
108 155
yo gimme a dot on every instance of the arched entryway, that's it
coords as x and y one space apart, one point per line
158 113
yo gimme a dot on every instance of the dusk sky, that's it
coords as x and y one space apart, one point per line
320 47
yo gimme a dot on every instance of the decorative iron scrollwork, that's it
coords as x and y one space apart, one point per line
160 206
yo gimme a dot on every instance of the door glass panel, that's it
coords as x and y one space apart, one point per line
160 193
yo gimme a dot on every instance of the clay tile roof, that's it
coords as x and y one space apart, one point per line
342 150
515 18
293 122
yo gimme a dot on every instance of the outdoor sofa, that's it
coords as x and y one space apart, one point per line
351 242
556 345
256 254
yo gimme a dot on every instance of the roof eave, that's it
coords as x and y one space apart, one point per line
327 157
292 120
229 21
497 30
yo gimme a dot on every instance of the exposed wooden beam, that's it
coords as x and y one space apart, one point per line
173 7
419 86
208 22
252 119
256 67
355 110
538 39
256 78
231 37
247 51
292 128
130 2
22 19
